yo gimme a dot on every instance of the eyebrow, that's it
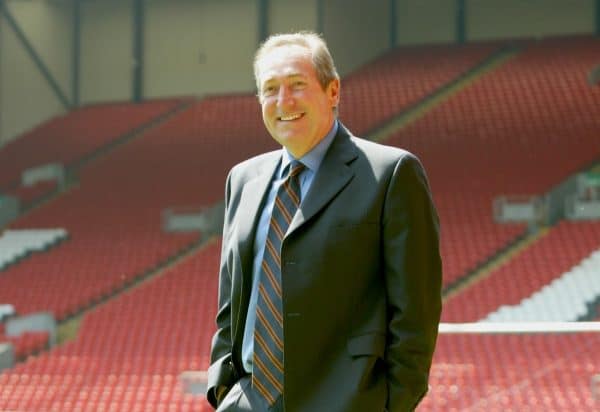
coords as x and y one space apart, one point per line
287 76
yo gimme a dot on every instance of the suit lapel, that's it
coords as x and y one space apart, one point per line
333 175
253 193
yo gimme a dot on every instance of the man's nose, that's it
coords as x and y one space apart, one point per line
284 97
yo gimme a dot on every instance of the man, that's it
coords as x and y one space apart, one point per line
330 277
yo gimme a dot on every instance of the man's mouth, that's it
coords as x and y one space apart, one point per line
290 117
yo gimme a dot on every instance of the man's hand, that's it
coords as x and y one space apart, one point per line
220 392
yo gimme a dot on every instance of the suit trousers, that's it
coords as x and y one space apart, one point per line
243 398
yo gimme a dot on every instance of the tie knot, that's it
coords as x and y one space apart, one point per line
295 168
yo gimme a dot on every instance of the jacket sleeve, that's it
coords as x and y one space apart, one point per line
413 274
221 371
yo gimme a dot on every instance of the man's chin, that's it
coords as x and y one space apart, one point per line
292 142
285 138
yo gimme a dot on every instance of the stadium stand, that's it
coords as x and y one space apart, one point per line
130 351
383 88
70 138
149 336
557 252
506 134
566 298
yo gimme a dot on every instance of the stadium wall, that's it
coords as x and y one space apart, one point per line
26 98
355 33
434 21
199 47
286 15
517 18
106 51
425 21
203 47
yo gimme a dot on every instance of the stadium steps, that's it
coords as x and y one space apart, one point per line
29 246
593 312
68 329
494 262
73 169
444 93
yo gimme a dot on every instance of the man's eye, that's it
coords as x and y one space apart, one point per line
269 90
299 84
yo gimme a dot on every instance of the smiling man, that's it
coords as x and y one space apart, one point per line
330 274
297 110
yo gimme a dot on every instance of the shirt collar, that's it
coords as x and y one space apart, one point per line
312 160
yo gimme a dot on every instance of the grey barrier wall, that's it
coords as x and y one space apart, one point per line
208 221
50 171
36 322
9 209
555 199
7 356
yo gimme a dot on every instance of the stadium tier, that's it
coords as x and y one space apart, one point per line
69 138
563 247
518 130
385 87
129 353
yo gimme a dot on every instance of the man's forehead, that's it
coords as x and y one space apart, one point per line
286 61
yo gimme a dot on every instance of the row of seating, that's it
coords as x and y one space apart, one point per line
546 260
155 332
129 353
565 299
381 89
67 138
514 372
114 222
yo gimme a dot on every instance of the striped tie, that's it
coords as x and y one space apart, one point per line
267 377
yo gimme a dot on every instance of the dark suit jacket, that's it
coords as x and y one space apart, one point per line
361 276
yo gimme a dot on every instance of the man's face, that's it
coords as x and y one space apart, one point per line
296 110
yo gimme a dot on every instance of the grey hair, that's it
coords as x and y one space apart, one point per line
321 58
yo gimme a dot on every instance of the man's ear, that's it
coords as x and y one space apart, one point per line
333 92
